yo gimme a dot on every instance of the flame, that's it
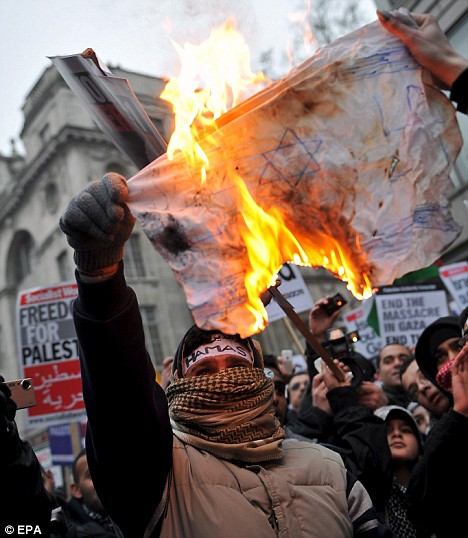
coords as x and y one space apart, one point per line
215 76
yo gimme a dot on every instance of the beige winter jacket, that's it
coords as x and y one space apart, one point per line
301 495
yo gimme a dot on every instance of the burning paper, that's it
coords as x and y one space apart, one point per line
343 163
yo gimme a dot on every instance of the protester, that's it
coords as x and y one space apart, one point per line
406 446
85 516
432 50
421 416
422 391
280 402
332 413
58 499
297 385
436 349
389 361
212 454
23 497
443 465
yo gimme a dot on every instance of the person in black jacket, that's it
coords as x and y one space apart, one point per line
443 466
23 497
85 517
341 415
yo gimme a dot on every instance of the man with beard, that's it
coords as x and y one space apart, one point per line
210 459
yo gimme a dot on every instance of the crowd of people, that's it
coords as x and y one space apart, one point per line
229 444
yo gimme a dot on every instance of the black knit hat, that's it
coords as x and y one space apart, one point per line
433 335
196 336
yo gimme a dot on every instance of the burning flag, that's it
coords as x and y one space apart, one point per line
343 163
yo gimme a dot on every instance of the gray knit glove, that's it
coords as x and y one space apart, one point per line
98 222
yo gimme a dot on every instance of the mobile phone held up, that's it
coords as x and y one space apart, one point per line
334 304
288 364
22 392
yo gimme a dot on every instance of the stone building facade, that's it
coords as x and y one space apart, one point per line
64 151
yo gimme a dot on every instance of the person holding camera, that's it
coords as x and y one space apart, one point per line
23 498
213 456
341 413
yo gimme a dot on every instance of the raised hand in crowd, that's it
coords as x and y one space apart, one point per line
371 395
432 50
97 223
459 372
319 391
319 320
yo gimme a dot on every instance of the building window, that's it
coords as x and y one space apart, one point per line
20 258
51 197
133 259
150 326
63 265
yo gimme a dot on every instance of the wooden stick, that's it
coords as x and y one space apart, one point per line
288 309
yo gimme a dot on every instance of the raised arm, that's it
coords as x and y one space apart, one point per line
129 436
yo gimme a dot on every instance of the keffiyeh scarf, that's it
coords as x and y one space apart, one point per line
444 375
228 414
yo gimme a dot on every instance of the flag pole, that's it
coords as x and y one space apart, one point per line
293 335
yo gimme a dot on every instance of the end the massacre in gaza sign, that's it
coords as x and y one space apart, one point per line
405 311
48 354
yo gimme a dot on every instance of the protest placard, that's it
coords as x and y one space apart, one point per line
455 279
113 106
48 354
369 343
405 311
294 289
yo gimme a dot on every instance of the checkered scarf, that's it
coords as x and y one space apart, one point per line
397 514
444 375
229 414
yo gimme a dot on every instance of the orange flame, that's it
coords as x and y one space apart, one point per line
215 76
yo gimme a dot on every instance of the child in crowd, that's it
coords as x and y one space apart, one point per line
405 442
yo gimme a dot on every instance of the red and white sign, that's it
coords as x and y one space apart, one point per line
369 343
48 354
455 279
